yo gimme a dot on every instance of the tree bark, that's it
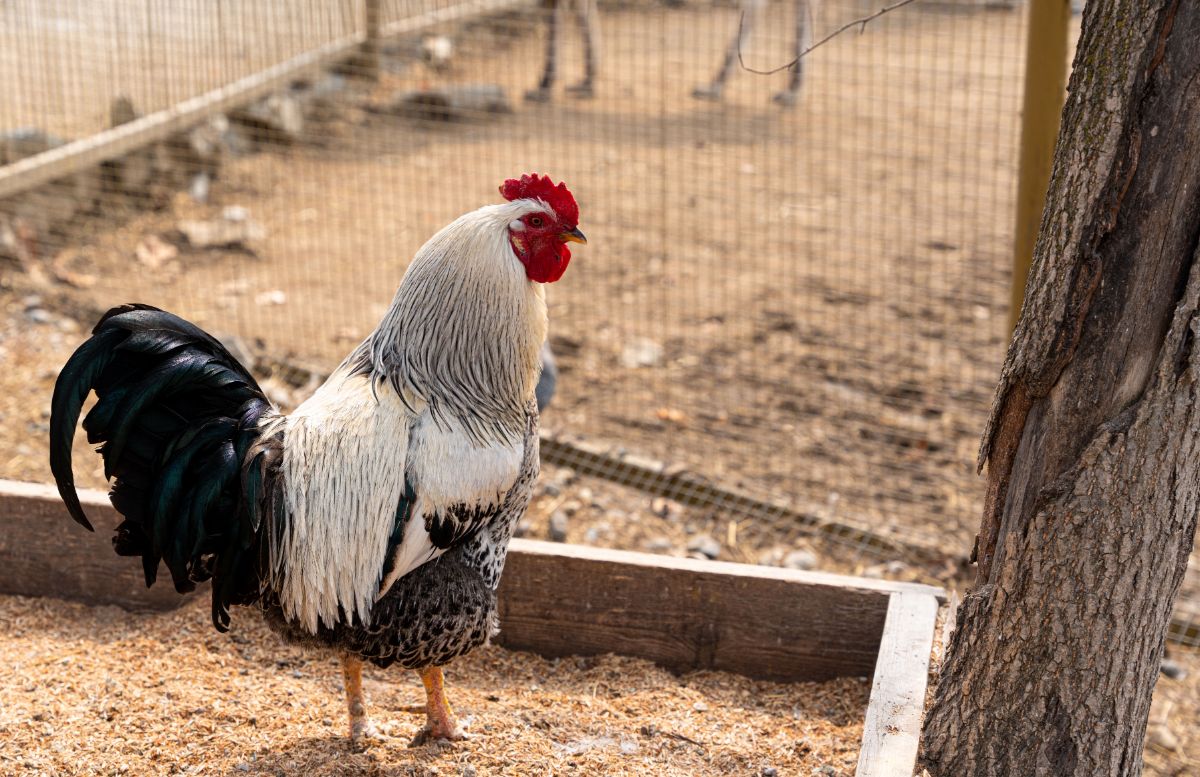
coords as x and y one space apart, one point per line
1093 446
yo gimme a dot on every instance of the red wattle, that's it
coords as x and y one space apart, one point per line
549 265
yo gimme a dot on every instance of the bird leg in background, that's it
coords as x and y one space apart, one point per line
544 87
749 12
589 30
804 28
440 721
361 726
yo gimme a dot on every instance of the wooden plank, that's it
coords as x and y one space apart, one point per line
555 599
29 513
892 731
686 614
45 553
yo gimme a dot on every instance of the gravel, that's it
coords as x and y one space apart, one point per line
558 526
800 559
705 546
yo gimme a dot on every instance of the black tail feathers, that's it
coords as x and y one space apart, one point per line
175 417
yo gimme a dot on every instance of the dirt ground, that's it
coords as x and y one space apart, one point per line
818 299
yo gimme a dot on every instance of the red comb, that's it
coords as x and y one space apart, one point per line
532 185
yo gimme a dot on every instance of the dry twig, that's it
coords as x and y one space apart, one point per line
682 738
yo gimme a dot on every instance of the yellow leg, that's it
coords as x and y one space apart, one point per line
361 726
440 721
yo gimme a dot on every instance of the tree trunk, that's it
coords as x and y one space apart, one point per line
1093 447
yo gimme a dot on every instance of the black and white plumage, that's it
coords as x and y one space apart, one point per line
374 520
452 597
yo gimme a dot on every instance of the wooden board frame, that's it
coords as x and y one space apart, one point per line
557 600
44 552
688 614
892 729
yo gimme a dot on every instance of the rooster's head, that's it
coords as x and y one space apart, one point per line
539 237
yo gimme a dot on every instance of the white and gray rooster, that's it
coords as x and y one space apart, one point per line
374 520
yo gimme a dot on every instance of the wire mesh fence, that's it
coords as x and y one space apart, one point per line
788 321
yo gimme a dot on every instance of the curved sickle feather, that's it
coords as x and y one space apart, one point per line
70 390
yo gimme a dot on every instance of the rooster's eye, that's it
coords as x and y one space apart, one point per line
536 221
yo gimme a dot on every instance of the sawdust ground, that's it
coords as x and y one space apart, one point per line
102 691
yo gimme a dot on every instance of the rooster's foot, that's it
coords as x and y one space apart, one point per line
434 732
440 722
364 732
540 95
712 92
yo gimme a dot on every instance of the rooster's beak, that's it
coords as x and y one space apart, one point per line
574 236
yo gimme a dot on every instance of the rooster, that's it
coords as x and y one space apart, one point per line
374 520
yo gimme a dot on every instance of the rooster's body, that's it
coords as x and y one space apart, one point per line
374 519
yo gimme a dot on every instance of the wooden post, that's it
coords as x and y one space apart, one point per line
368 60
1045 91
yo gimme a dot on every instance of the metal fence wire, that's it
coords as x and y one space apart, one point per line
779 345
